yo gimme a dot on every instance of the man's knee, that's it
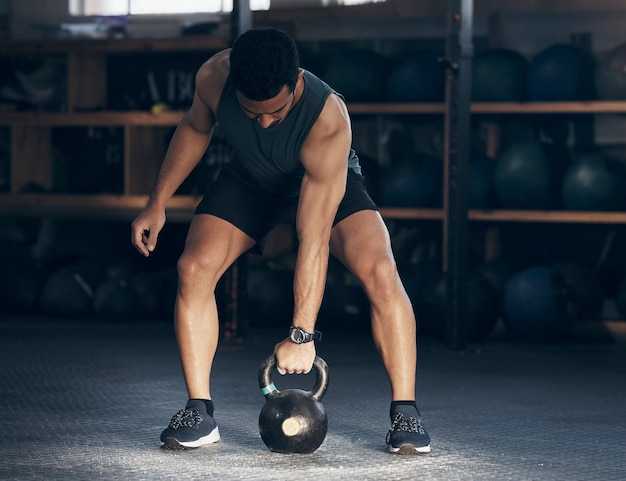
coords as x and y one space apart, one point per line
382 280
194 270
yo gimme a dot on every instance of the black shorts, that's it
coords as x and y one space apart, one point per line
256 213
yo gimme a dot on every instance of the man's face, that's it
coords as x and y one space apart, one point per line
268 112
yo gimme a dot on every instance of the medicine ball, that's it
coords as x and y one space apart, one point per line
412 181
499 75
610 75
561 73
539 305
522 177
360 75
589 185
418 78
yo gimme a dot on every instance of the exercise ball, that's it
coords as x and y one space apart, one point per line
483 306
360 75
499 75
418 78
538 305
610 76
522 177
415 181
560 73
589 185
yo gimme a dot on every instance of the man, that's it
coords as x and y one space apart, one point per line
292 162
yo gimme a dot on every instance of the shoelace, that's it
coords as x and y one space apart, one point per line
408 424
190 418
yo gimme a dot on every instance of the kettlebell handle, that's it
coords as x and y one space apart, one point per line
268 389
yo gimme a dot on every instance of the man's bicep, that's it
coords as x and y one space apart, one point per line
199 116
321 193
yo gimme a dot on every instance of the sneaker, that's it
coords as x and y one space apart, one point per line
191 427
407 435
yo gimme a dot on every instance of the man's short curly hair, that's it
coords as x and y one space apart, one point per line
262 62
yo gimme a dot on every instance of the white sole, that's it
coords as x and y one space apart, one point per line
409 449
173 443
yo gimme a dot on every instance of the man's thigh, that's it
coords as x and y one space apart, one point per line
360 241
214 243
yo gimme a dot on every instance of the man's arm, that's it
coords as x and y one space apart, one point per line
325 158
188 144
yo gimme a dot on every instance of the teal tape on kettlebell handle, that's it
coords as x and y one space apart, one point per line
268 389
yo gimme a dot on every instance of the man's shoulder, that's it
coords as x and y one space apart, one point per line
212 76
216 68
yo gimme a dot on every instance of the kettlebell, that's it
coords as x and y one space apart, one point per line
293 420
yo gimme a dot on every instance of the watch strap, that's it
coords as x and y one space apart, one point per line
305 336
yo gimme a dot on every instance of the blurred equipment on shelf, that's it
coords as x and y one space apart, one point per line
523 177
561 72
499 75
610 75
588 185
419 77
360 75
539 305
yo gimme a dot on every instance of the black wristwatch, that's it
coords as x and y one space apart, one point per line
300 336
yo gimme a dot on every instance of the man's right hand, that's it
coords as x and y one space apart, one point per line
145 229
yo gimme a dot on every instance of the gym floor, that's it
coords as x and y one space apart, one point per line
87 400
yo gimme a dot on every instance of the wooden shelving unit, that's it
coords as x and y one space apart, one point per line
31 156
31 131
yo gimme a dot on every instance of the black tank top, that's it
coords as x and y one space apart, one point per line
269 159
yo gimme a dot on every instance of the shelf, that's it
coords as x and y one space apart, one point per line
411 213
123 45
145 118
85 206
180 209
581 107
559 216
396 108
586 107
104 118
126 207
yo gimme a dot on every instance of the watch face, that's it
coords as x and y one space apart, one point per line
297 336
